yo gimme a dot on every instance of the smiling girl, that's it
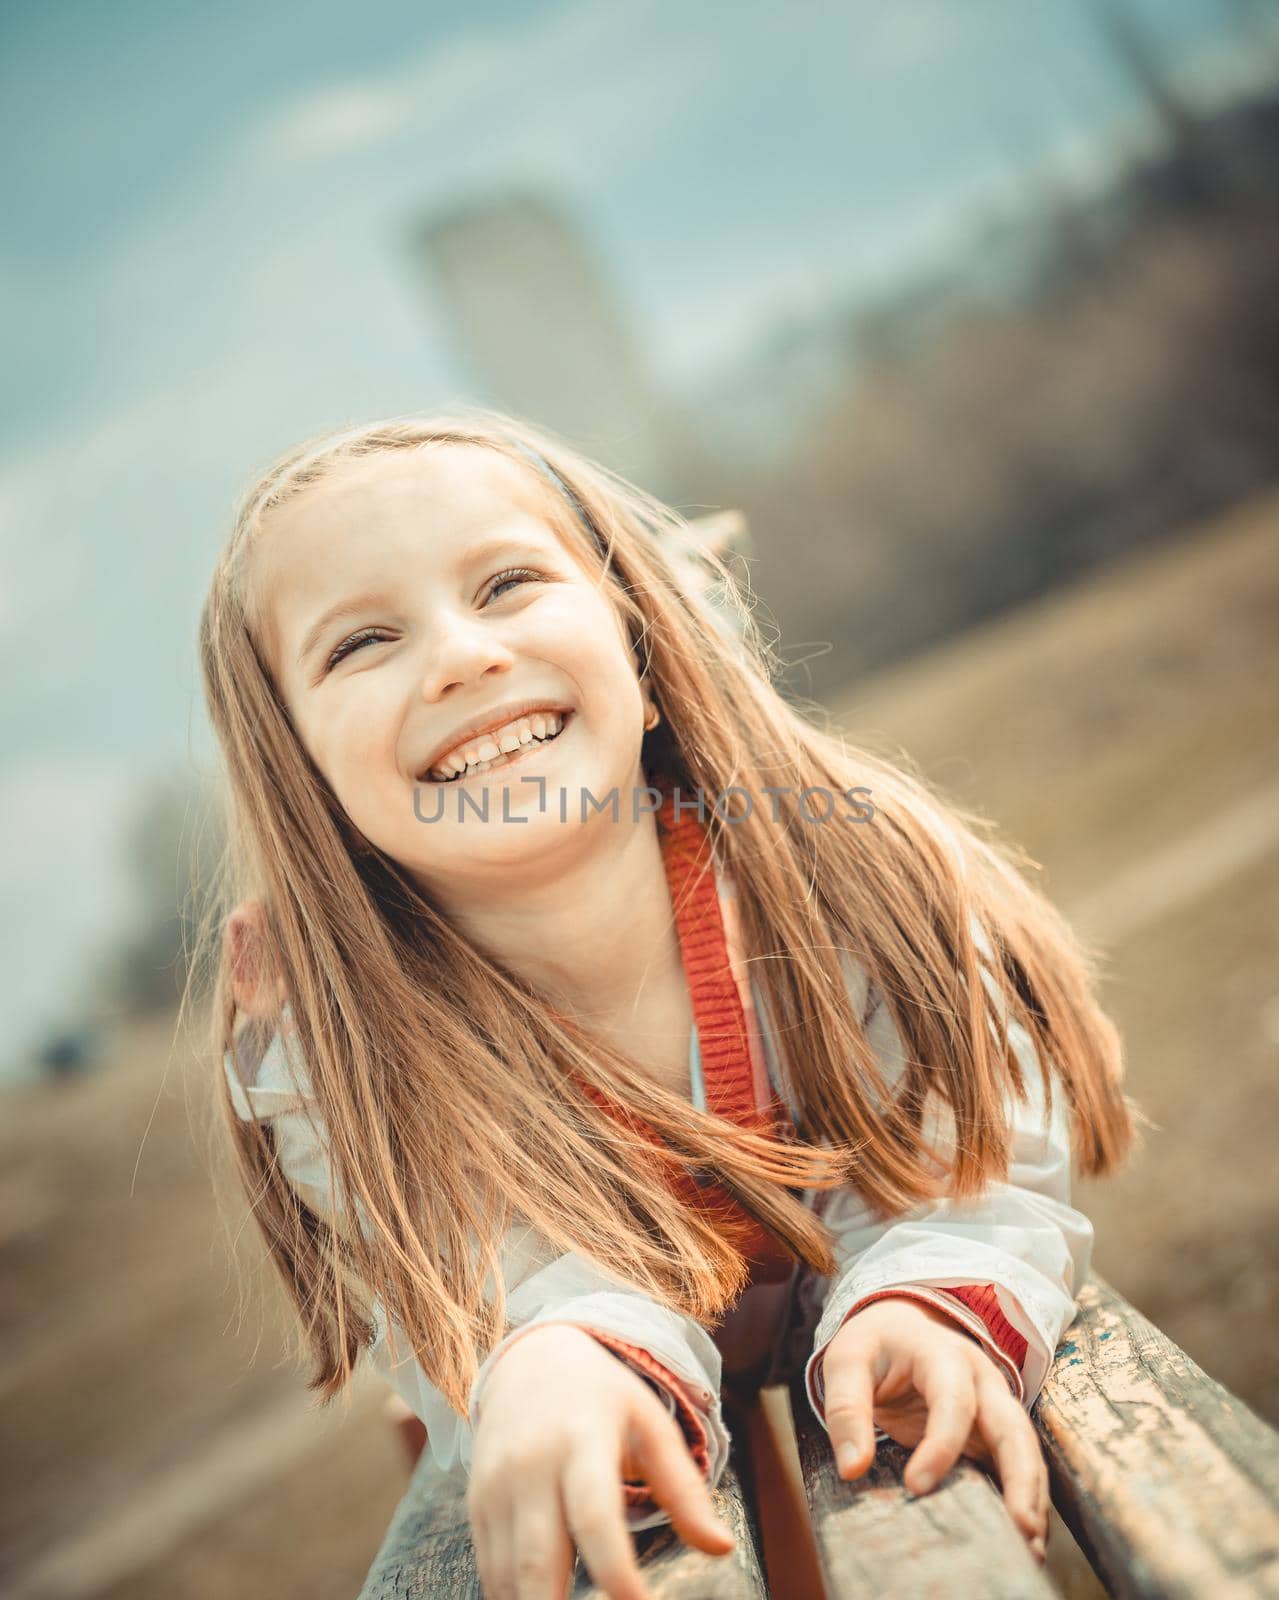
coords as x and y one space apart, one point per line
568 1114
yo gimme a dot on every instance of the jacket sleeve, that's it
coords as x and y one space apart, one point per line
670 1352
1005 1265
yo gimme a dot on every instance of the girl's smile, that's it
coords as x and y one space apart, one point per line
502 760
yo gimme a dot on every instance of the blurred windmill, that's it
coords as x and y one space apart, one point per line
543 329
1191 168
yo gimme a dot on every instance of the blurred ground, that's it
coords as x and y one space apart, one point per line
157 1448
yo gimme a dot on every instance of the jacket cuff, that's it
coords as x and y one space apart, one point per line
984 1300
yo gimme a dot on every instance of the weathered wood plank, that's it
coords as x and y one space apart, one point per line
765 1436
427 1550
1167 1480
876 1538
673 1571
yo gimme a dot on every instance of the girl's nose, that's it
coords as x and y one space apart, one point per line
462 651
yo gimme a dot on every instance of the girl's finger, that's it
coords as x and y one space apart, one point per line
948 1387
850 1412
595 1509
676 1482
541 1553
1023 1477
491 1551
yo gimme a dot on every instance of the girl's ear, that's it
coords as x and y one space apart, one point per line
246 952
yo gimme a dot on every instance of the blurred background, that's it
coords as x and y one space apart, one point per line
968 305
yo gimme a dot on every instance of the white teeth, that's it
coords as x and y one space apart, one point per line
485 751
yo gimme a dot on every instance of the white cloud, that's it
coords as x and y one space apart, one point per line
348 117
475 76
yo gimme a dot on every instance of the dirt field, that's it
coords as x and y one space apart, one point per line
157 1446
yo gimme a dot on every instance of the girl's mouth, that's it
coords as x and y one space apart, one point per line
500 762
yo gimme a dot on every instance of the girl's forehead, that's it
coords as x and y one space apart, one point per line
447 484
446 496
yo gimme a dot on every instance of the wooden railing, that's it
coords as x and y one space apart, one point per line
1168 1482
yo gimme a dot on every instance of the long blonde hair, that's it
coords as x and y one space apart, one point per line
451 1093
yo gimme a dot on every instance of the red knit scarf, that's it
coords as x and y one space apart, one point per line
722 1037
721 1022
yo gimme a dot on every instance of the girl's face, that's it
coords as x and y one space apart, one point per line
415 596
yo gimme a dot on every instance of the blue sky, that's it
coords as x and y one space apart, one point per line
205 257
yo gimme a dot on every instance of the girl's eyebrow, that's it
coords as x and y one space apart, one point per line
344 608
369 601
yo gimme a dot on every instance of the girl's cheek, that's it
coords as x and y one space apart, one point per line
576 633
353 746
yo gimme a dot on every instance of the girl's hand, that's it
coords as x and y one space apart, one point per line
561 1423
908 1368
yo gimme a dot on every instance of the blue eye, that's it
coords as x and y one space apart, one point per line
349 646
512 575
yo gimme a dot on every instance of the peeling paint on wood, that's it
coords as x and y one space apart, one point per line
1167 1480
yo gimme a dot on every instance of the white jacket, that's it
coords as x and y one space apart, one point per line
1022 1236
